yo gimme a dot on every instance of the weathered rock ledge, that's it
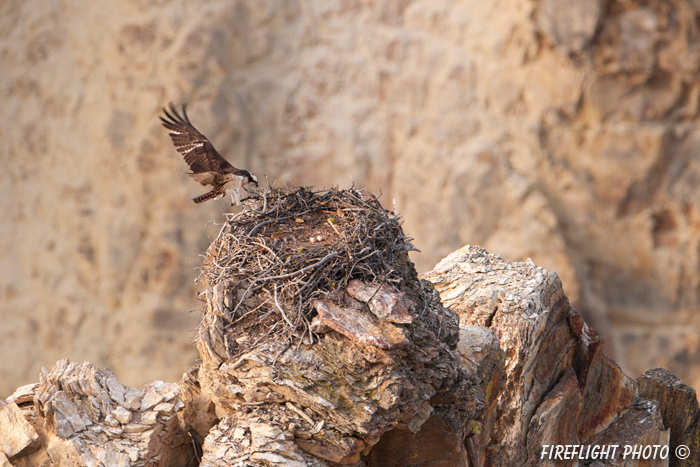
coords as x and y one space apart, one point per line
480 363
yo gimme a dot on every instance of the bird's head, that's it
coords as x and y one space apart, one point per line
252 178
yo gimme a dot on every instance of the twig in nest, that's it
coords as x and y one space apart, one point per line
279 307
251 311
279 354
302 270
334 228
379 286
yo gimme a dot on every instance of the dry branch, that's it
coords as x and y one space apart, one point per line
290 247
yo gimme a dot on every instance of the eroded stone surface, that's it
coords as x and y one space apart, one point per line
93 417
17 437
678 407
358 327
554 362
384 301
253 441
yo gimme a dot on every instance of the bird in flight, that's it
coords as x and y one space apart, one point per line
207 165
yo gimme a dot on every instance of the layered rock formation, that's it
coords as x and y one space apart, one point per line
560 387
80 415
566 135
520 374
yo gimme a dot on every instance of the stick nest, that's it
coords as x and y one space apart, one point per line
289 247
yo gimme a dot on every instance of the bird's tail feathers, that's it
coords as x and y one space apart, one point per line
213 194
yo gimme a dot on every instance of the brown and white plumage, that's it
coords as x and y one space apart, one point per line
207 165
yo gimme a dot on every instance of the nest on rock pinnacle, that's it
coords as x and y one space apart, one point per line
288 248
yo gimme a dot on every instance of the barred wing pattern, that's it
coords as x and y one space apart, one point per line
197 150
208 167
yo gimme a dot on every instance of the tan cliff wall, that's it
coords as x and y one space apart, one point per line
569 137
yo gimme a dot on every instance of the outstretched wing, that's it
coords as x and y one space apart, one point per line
197 150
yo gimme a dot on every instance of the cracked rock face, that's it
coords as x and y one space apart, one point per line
560 387
349 391
98 419
79 415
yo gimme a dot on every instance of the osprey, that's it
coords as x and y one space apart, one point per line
207 165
